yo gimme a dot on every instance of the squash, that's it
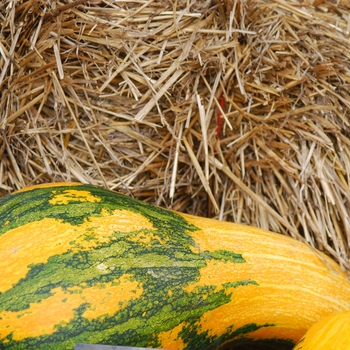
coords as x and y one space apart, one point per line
82 264
330 333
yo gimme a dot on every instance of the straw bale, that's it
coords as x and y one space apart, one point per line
238 110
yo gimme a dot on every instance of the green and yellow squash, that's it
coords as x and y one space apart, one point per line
82 264
330 333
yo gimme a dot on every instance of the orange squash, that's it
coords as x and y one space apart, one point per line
330 333
80 263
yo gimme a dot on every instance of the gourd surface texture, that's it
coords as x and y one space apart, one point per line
82 264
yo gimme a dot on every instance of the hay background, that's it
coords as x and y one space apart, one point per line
127 95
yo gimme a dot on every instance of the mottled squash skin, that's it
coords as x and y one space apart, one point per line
81 264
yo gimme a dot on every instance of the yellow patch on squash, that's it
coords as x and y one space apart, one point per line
171 340
42 318
106 299
37 241
73 196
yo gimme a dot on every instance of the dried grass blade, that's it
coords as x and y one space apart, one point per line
200 173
